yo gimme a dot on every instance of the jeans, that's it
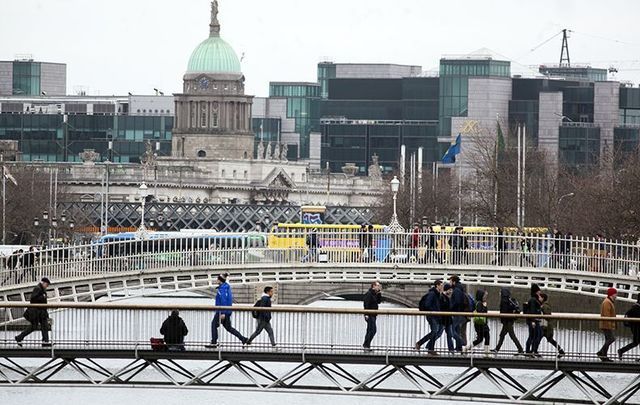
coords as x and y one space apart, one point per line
226 323
456 327
263 324
435 331
535 336
609 338
371 330
507 329
448 330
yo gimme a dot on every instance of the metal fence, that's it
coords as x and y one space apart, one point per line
528 252
310 330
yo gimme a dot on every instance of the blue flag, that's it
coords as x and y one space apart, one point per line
450 156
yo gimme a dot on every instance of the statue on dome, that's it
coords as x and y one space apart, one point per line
276 152
214 26
260 150
268 155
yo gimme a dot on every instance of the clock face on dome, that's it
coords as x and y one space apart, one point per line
204 83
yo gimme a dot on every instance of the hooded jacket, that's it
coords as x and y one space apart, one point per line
508 305
457 298
265 302
224 297
174 329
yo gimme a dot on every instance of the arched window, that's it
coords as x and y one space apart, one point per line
203 116
202 154
214 119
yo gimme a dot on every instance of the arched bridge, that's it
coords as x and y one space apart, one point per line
340 263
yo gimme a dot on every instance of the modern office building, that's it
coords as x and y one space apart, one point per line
26 77
59 129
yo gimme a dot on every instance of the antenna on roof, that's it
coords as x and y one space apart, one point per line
565 49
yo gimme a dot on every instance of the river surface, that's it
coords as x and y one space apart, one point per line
52 395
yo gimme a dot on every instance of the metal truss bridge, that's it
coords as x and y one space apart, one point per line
318 352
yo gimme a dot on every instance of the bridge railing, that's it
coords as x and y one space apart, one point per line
313 330
531 251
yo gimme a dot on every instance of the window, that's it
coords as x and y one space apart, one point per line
214 119
246 174
222 174
202 154
203 116
235 172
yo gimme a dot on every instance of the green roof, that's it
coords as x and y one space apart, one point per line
214 55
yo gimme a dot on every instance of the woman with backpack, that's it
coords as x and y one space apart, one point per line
480 323
634 312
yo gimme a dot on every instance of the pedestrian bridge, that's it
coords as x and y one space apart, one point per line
89 272
319 352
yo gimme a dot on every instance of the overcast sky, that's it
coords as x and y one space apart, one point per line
117 46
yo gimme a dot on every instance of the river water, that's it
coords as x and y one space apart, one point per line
193 396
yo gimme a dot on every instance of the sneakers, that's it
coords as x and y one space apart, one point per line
211 346
620 354
46 344
560 353
432 353
417 346
606 360
18 341
367 349
494 351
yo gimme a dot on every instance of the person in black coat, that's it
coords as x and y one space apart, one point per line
372 300
174 331
508 305
37 317
447 321
634 312
264 317
534 307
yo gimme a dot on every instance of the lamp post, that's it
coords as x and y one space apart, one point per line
562 197
394 225
143 193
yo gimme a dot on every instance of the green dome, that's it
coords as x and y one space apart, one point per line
214 55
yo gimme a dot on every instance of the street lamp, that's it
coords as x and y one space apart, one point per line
562 197
143 193
394 225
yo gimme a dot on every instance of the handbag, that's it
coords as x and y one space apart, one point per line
158 345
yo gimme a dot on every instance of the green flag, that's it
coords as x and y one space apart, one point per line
500 140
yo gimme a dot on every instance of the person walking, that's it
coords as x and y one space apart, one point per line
264 317
633 313
480 323
525 250
608 310
224 298
415 243
372 300
37 317
174 330
430 302
534 307
501 247
457 304
558 249
508 305
547 326
447 323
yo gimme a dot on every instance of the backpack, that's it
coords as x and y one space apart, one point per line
479 320
258 304
469 303
158 345
422 305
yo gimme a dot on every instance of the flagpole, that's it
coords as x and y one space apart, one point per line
4 202
519 175
459 192
524 170
495 178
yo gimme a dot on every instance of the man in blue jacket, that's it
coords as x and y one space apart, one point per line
224 298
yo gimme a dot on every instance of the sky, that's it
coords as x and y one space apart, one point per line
119 46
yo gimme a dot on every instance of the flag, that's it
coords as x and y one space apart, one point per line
8 175
500 139
456 148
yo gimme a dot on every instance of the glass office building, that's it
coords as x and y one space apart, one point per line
47 137
26 77
300 100
454 85
579 146
363 117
